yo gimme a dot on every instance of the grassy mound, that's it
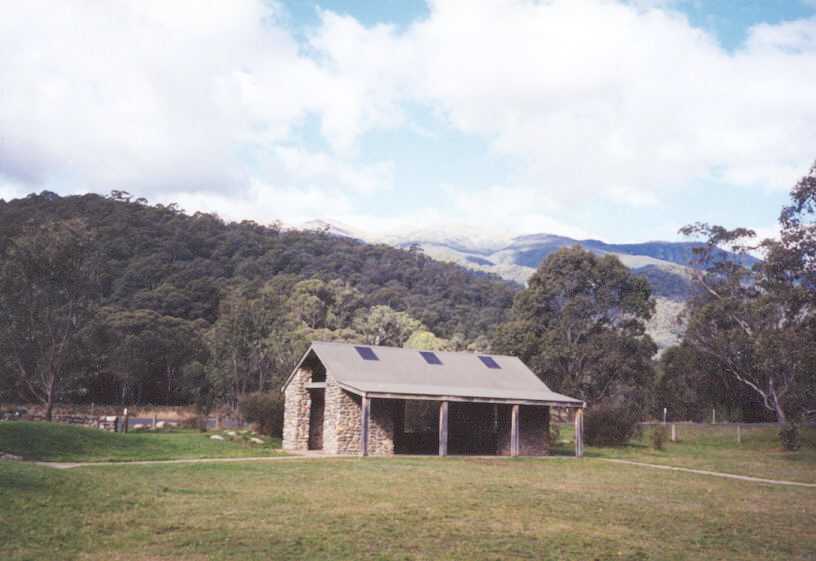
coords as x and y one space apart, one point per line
65 443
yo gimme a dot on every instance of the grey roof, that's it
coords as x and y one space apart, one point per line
404 372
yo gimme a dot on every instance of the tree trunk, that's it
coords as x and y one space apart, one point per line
49 405
780 413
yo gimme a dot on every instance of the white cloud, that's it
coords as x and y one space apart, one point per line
488 216
600 98
11 189
162 97
264 203
319 168
586 101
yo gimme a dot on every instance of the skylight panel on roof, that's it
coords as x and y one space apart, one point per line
430 357
367 353
489 362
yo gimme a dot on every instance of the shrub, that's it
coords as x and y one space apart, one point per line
789 435
265 410
194 422
659 437
606 425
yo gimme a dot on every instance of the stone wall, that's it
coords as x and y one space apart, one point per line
332 405
342 423
381 427
296 412
534 430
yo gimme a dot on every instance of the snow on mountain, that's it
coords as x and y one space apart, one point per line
334 228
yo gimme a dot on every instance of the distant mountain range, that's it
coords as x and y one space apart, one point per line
667 265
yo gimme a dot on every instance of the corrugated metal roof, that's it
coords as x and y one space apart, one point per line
461 374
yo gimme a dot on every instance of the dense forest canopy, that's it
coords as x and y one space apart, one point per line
177 294
114 300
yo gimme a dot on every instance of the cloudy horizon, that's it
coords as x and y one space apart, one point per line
616 120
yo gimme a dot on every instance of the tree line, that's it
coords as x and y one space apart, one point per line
114 300
749 348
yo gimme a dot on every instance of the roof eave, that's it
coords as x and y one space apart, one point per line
461 398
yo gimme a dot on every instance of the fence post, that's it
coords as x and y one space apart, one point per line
665 411
125 421
579 433
739 434
674 433
713 416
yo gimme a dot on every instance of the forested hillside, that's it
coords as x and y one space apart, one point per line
190 307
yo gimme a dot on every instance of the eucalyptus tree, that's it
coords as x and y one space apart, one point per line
581 326
48 291
759 323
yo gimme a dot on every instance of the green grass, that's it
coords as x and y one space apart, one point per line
65 443
397 509
715 448
400 509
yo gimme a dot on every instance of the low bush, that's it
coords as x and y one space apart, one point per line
790 437
606 425
194 422
265 410
659 437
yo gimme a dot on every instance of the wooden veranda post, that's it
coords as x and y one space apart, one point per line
514 431
579 433
365 414
443 428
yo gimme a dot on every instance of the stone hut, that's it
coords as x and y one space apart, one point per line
369 400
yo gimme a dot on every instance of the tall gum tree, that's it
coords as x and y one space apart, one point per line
580 325
48 288
759 324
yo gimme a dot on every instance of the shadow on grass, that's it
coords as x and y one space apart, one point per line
568 450
17 478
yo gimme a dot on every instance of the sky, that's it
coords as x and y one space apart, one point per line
617 120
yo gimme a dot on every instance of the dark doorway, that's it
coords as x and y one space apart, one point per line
472 428
416 427
318 405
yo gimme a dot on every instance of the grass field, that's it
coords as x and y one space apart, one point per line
715 448
402 509
66 443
